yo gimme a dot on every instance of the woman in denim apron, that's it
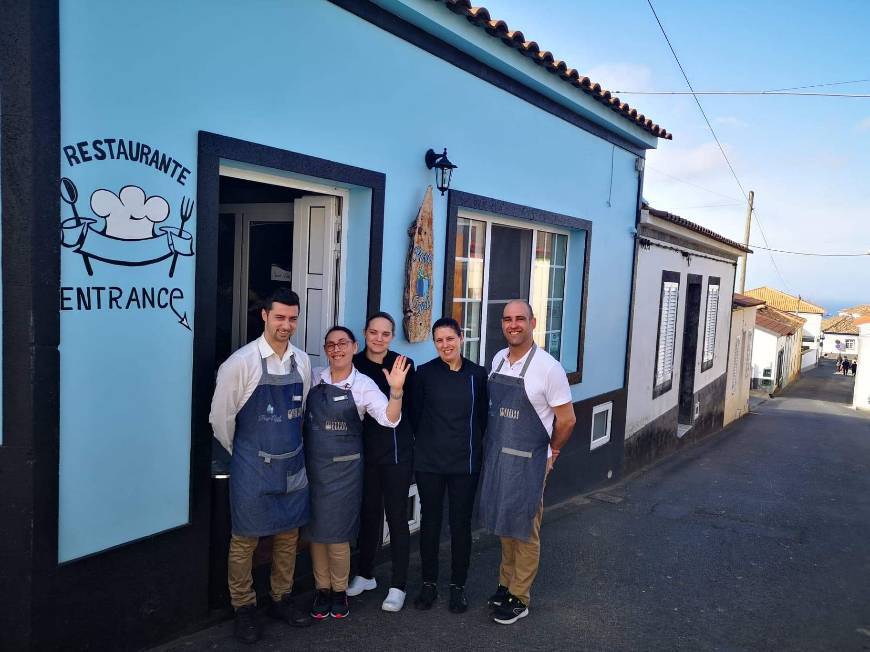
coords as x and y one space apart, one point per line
339 398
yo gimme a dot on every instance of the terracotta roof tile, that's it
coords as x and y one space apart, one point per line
840 324
686 224
743 301
776 321
515 39
783 301
861 309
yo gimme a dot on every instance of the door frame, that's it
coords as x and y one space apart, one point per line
242 253
689 351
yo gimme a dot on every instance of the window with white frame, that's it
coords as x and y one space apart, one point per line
601 418
497 261
711 321
667 334
850 345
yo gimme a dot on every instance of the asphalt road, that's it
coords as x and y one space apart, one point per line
757 538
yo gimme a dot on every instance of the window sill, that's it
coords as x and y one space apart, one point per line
662 389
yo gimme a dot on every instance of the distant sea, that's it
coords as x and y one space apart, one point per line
833 306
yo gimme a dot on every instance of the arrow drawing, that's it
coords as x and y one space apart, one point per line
182 319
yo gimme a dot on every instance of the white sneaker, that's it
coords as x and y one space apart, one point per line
394 601
359 584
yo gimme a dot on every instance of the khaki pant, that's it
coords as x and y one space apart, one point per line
283 566
331 565
520 560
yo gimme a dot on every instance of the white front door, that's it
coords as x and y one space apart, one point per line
316 256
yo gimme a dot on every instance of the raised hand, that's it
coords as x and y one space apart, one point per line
396 376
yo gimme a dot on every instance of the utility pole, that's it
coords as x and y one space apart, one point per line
746 240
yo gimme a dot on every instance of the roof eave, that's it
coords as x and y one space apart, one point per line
469 34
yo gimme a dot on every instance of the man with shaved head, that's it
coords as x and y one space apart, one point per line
531 417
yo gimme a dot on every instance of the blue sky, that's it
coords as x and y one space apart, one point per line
807 158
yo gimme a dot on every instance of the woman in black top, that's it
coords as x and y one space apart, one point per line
449 408
387 454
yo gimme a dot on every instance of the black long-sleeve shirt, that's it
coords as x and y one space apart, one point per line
387 445
449 410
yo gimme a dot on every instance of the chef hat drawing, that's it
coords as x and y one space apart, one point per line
130 215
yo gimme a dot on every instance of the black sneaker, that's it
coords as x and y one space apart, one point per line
247 630
339 608
427 597
320 608
511 610
498 598
458 602
289 612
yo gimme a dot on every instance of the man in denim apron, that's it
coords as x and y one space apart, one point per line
256 415
531 417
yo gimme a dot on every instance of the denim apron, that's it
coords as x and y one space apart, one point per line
333 453
268 482
514 458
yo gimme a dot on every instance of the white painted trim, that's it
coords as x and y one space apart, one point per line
598 409
275 177
494 218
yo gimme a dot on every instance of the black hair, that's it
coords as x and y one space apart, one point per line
281 295
447 322
343 329
381 315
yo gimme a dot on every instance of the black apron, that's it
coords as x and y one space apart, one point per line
333 454
514 458
268 484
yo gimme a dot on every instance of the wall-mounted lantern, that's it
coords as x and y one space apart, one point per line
443 169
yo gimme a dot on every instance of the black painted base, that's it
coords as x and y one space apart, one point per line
659 437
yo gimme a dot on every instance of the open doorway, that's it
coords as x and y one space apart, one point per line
689 353
269 236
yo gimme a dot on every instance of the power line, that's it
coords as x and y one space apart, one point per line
689 183
839 83
768 248
716 138
768 93
807 253
729 205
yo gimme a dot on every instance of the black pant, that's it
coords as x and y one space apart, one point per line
460 490
385 490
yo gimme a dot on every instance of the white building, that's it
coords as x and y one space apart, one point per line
743 313
840 336
811 313
684 280
861 397
776 349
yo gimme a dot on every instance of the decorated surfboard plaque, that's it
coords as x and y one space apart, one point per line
417 303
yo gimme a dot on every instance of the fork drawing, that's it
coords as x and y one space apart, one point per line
186 211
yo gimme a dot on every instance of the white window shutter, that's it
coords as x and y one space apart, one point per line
712 315
667 332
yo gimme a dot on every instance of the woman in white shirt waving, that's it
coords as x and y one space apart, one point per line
337 401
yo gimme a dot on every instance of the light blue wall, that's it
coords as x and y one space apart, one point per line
312 78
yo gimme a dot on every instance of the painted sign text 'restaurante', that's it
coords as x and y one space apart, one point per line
125 149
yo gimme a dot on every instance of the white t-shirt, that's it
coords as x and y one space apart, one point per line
546 382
